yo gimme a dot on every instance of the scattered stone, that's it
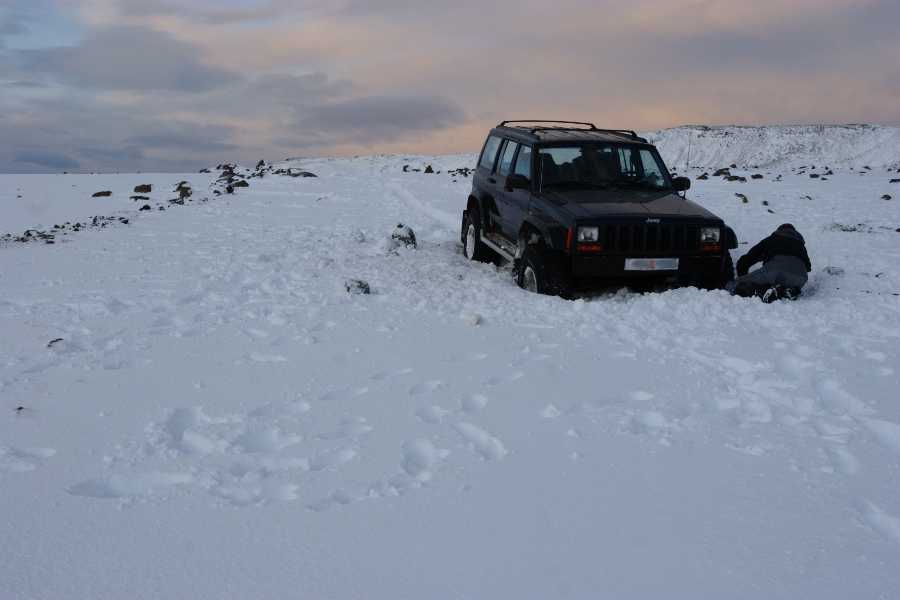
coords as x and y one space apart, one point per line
834 271
298 173
101 194
204 170
177 201
743 198
891 181
143 189
867 168
54 341
734 166
736 178
241 183
703 177
261 164
356 286
885 197
405 167
135 198
765 202
145 207
813 175
404 235
756 176
722 172
428 169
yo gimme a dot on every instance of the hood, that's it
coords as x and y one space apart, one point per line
624 202
790 234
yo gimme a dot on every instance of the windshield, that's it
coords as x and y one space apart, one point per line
602 165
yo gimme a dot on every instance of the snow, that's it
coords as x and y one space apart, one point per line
207 411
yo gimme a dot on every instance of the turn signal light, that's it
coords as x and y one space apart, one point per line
590 248
710 248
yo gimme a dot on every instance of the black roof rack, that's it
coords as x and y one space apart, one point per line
591 127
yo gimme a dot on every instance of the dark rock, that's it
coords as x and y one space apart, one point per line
100 194
813 175
703 177
405 168
885 197
356 286
428 169
894 181
145 207
177 201
260 164
404 235
241 183
229 189
867 168
721 172
143 189
734 166
743 198
204 170
765 203
756 176
140 197
297 173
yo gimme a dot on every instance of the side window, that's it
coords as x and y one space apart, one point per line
509 150
490 152
523 162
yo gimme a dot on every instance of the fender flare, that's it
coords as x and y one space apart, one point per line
552 231
731 240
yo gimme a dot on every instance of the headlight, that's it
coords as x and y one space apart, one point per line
588 234
709 235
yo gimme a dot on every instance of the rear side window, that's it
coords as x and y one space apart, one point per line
509 150
523 162
490 152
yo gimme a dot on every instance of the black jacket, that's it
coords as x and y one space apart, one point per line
784 242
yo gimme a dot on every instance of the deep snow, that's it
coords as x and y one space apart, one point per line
221 418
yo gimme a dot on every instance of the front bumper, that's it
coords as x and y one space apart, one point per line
614 266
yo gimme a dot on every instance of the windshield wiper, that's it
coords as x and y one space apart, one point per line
573 183
638 184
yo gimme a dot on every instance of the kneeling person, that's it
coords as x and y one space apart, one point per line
785 264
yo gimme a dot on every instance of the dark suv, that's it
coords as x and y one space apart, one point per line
571 206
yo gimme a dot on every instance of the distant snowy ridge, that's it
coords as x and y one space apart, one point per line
775 146
779 146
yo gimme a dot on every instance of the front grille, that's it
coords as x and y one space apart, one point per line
640 239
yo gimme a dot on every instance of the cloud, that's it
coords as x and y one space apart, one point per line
131 58
369 119
46 158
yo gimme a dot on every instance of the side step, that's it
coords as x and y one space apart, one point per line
499 245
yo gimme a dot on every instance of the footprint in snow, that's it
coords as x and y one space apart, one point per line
11 465
345 432
431 414
498 379
842 461
391 373
474 403
425 387
489 447
466 358
330 459
344 393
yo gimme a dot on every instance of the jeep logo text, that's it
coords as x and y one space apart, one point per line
653 220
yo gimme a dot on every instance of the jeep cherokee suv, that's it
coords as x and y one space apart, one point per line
571 205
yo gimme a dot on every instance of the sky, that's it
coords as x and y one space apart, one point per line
176 86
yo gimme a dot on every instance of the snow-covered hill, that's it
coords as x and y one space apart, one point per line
785 147
195 404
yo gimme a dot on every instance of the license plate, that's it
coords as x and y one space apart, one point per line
651 264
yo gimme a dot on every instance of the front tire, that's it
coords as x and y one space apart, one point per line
718 282
543 271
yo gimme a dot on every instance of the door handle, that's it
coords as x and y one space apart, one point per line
491 180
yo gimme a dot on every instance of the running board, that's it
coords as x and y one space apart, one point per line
501 250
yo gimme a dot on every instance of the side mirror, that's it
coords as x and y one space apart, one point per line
518 182
681 184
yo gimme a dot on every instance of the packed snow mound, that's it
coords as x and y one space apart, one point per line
779 146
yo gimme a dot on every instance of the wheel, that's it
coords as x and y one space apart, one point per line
543 271
473 247
717 282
